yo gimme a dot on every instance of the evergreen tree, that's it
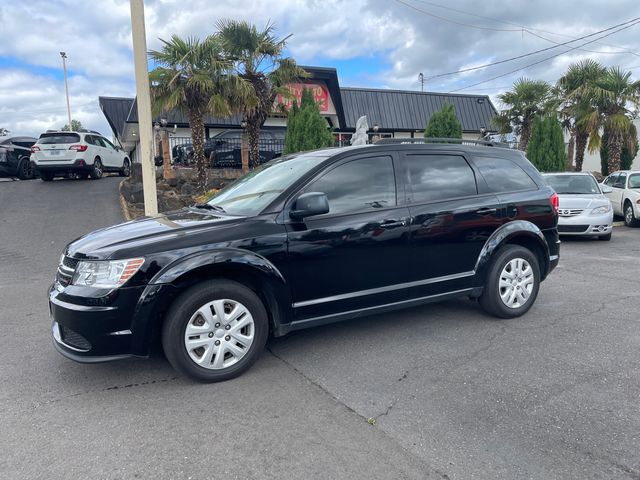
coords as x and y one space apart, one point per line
627 155
546 145
306 129
444 124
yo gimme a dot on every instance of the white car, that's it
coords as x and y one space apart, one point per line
85 153
625 195
583 209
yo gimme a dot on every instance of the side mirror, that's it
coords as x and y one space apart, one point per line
606 188
309 204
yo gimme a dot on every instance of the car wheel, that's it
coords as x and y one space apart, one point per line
215 331
512 282
605 238
96 171
46 176
629 215
125 171
25 169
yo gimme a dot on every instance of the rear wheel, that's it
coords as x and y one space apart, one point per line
512 282
629 215
46 176
25 169
125 171
215 331
96 171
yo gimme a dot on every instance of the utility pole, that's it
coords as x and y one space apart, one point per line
144 106
66 87
421 80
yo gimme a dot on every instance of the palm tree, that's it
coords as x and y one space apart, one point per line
191 76
527 99
613 94
258 59
575 107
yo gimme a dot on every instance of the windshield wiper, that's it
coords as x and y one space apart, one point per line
207 206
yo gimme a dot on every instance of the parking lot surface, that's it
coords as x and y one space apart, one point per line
451 392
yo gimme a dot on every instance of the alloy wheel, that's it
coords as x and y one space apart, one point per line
516 283
628 215
219 334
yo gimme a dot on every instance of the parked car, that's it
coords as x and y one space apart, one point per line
85 153
224 149
305 240
584 208
625 195
14 157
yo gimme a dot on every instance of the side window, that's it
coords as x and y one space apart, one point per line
621 181
89 139
358 186
503 175
107 143
439 177
610 180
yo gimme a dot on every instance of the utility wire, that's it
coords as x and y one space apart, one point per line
546 58
478 67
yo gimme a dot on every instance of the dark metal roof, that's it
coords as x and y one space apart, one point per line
408 110
116 110
178 117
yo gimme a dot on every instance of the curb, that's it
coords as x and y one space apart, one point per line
123 203
618 224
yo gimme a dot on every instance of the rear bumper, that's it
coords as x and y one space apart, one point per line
77 166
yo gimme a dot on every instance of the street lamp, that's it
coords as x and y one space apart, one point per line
66 87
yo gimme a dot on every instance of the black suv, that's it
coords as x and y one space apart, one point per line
15 153
305 240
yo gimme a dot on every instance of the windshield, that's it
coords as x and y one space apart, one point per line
634 180
573 184
51 138
250 194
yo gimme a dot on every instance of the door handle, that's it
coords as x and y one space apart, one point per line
486 211
393 223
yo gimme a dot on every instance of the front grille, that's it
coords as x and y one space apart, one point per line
74 339
570 212
69 262
66 269
572 228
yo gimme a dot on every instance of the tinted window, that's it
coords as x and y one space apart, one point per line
503 175
634 180
50 138
107 143
438 177
359 185
573 184
620 181
90 139
610 180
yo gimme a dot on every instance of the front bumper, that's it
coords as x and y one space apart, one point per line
586 224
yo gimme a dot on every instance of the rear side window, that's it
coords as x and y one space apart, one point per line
49 138
439 177
503 175
620 181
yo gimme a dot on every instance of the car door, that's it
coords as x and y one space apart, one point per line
451 219
115 156
355 256
609 181
617 195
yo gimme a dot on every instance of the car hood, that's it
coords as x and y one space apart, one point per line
582 201
106 242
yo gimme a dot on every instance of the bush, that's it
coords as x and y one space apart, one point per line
546 145
444 124
626 156
306 128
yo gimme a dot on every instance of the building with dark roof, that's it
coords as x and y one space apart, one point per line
393 113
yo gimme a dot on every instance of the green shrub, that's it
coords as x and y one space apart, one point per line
444 124
546 145
306 128
626 156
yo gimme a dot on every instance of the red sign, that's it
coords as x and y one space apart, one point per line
320 95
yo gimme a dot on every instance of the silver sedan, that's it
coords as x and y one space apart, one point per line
584 209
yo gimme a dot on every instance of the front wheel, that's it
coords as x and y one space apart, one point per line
96 171
512 282
125 171
629 216
215 331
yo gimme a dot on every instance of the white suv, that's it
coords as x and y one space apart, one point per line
85 153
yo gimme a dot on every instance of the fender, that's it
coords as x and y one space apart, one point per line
508 231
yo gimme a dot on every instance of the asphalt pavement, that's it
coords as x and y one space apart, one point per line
451 392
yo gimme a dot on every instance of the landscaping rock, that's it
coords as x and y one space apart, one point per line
187 189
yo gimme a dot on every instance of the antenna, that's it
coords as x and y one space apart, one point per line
421 80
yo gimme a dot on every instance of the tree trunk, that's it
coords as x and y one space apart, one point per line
197 138
525 134
615 152
581 146
571 151
253 133
167 170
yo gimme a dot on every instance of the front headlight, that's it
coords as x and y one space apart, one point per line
106 274
601 210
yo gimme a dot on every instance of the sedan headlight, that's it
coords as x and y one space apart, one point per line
106 274
601 210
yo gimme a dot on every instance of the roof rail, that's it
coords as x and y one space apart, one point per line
461 141
84 130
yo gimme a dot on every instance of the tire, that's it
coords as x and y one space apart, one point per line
125 171
605 238
25 169
200 360
46 176
629 215
503 264
96 171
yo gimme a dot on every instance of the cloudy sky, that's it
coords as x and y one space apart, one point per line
372 43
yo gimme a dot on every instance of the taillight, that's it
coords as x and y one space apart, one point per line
35 148
555 202
79 148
